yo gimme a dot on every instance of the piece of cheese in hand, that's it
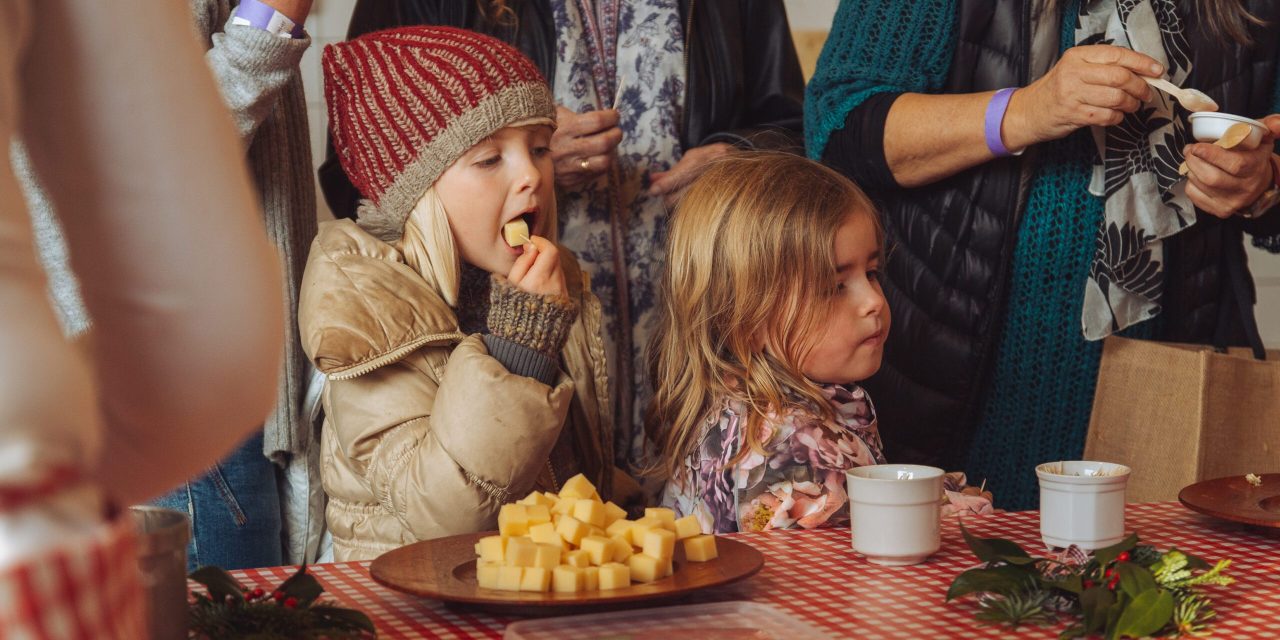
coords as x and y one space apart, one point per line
516 232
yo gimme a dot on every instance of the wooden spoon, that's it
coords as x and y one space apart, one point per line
1233 136
1191 99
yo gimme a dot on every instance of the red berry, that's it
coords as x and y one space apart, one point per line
290 602
1123 557
1088 584
277 595
257 593
1112 584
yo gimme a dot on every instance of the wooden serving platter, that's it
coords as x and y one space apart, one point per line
1233 498
445 569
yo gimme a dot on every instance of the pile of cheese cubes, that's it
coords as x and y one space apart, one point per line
574 542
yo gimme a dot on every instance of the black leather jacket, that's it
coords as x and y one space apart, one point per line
950 244
744 84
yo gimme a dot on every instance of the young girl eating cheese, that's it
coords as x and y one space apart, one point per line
460 344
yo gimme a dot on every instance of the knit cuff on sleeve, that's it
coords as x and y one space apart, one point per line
257 50
522 360
857 150
538 322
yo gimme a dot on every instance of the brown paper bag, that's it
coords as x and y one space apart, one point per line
1179 414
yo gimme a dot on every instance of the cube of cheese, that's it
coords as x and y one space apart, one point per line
659 543
621 549
492 548
612 514
688 527
547 556
579 558
614 575
532 498
487 575
536 579
663 514
516 232
564 506
591 578
537 514
700 548
645 568
599 548
640 527
513 520
521 552
618 527
544 533
578 487
572 529
567 579
509 578
589 511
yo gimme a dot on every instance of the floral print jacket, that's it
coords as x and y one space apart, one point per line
800 483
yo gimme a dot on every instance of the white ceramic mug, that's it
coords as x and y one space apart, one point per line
1082 503
894 510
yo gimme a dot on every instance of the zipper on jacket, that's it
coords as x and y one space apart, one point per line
395 356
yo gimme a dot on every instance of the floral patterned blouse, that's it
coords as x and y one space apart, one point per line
800 483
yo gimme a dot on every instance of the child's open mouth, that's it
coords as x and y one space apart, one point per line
517 231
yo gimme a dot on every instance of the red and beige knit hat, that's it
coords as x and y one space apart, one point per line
405 103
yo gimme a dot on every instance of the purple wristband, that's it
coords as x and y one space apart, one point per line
261 16
995 117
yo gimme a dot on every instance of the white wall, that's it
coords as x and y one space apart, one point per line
328 23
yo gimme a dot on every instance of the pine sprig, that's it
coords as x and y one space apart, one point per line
1017 609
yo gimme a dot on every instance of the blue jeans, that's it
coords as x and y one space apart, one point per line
234 510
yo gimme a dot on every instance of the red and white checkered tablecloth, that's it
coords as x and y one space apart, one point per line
815 576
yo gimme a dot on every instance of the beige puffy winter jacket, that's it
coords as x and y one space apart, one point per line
425 434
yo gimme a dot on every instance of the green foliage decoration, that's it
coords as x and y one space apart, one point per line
1127 590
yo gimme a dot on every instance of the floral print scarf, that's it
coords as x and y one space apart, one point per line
801 480
1137 169
616 229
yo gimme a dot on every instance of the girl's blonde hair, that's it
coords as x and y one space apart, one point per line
750 258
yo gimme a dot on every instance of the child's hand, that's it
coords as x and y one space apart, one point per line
537 270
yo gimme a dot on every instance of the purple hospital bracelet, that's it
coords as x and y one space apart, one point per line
259 15
994 119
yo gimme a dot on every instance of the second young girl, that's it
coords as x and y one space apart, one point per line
773 313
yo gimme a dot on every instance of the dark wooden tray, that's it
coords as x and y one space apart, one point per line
1233 498
445 569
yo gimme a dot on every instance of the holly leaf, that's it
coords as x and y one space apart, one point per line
346 619
1095 604
1105 555
1003 580
1135 580
303 586
1195 563
1073 631
1073 584
995 549
219 583
1146 614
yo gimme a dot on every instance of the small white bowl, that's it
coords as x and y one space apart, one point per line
1208 126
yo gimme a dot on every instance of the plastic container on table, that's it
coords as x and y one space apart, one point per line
734 620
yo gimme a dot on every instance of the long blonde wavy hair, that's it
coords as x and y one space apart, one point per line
750 255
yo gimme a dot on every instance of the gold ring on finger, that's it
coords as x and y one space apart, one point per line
585 163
